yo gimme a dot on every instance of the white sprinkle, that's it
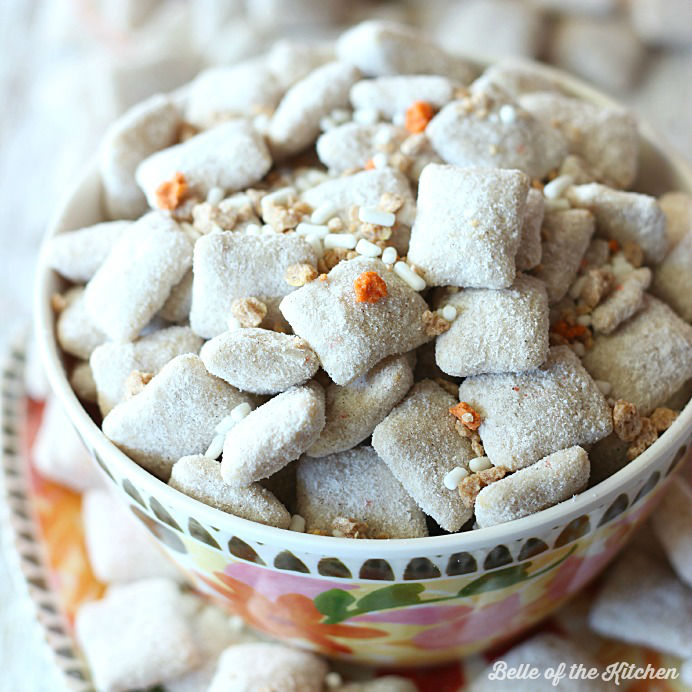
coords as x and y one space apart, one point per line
340 115
579 348
316 243
376 216
451 480
323 213
449 313
389 255
507 114
620 265
366 116
417 283
240 411
216 447
297 523
318 230
224 425
253 229
604 386
345 240
467 417
576 287
333 680
380 160
479 464
278 196
327 123
557 187
365 247
215 195
560 204
383 136
584 320
233 324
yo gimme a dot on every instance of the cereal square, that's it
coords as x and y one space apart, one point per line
356 485
350 337
419 442
77 332
468 225
526 416
530 251
231 265
673 278
646 359
503 330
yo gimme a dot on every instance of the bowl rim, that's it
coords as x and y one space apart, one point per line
475 539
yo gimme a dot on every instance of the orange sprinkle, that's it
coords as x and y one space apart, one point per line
369 165
369 287
516 389
613 245
418 115
170 194
569 332
461 410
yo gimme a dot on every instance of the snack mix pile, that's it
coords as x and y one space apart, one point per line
366 290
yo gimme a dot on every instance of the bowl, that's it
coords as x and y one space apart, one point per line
400 602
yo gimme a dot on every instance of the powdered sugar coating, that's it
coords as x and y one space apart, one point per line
351 337
654 609
268 666
529 490
77 333
468 225
151 256
177 306
82 381
566 236
517 76
77 255
145 128
529 251
625 217
606 138
356 484
526 416
625 300
354 410
290 61
200 477
174 416
259 360
232 265
137 636
646 359
296 122
419 442
673 278
119 548
112 362
381 48
273 435
230 156
466 138
503 330
392 95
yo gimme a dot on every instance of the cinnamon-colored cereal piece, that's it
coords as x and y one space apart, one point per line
626 421
644 440
300 274
248 311
136 381
171 193
662 418
597 284
467 415
418 115
434 323
369 287
331 258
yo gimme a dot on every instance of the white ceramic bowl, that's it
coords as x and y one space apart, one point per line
403 602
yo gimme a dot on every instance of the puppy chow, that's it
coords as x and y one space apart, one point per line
273 435
290 61
113 362
672 280
419 442
200 477
230 156
353 410
677 207
646 359
350 337
526 416
82 381
77 333
468 225
503 330
173 416
529 251
626 298
259 360
176 309
231 266
356 485
150 257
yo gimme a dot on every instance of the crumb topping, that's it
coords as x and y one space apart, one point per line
626 421
466 415
248 311
170 194
470 486
418 115
136 381
370 287
300 274
434 324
